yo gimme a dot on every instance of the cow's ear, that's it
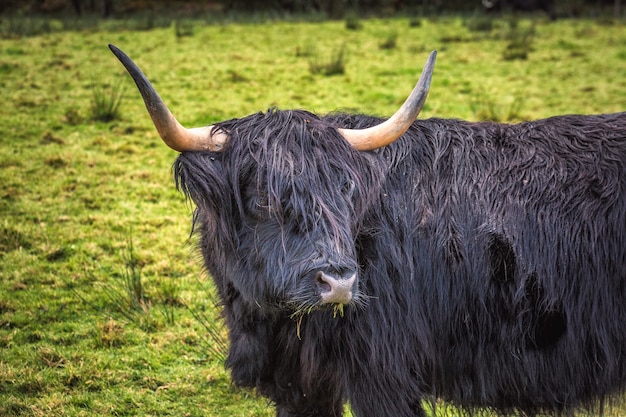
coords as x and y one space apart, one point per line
200 176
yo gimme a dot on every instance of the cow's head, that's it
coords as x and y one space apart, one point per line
280 196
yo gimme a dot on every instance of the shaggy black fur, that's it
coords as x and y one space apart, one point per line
491 262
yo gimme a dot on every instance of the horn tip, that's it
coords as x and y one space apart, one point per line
432 56
119 54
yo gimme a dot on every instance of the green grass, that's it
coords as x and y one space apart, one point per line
72 188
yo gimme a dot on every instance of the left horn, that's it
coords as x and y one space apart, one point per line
171 131
390 130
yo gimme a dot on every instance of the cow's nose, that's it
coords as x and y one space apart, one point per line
333 289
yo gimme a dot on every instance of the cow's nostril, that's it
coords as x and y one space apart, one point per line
334 290
323 283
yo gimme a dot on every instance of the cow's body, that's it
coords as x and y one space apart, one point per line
491 258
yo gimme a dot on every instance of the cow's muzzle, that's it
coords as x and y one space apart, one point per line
335 289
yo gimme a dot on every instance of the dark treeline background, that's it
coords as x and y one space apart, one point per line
332 9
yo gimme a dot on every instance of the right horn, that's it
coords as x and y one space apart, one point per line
390 130
171 131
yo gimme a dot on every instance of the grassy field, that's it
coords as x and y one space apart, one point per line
103 304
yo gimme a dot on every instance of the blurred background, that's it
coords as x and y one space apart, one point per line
332 9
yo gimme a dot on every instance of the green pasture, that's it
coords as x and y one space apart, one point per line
104 308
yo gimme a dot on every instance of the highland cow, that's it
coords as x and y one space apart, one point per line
390 264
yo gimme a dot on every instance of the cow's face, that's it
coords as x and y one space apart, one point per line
290 198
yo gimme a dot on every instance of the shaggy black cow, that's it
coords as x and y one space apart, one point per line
522 5
390 264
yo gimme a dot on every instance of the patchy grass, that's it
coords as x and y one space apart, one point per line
105 102
520 41
72 187
390 41
333 65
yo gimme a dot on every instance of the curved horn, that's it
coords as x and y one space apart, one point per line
173 133
390 130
